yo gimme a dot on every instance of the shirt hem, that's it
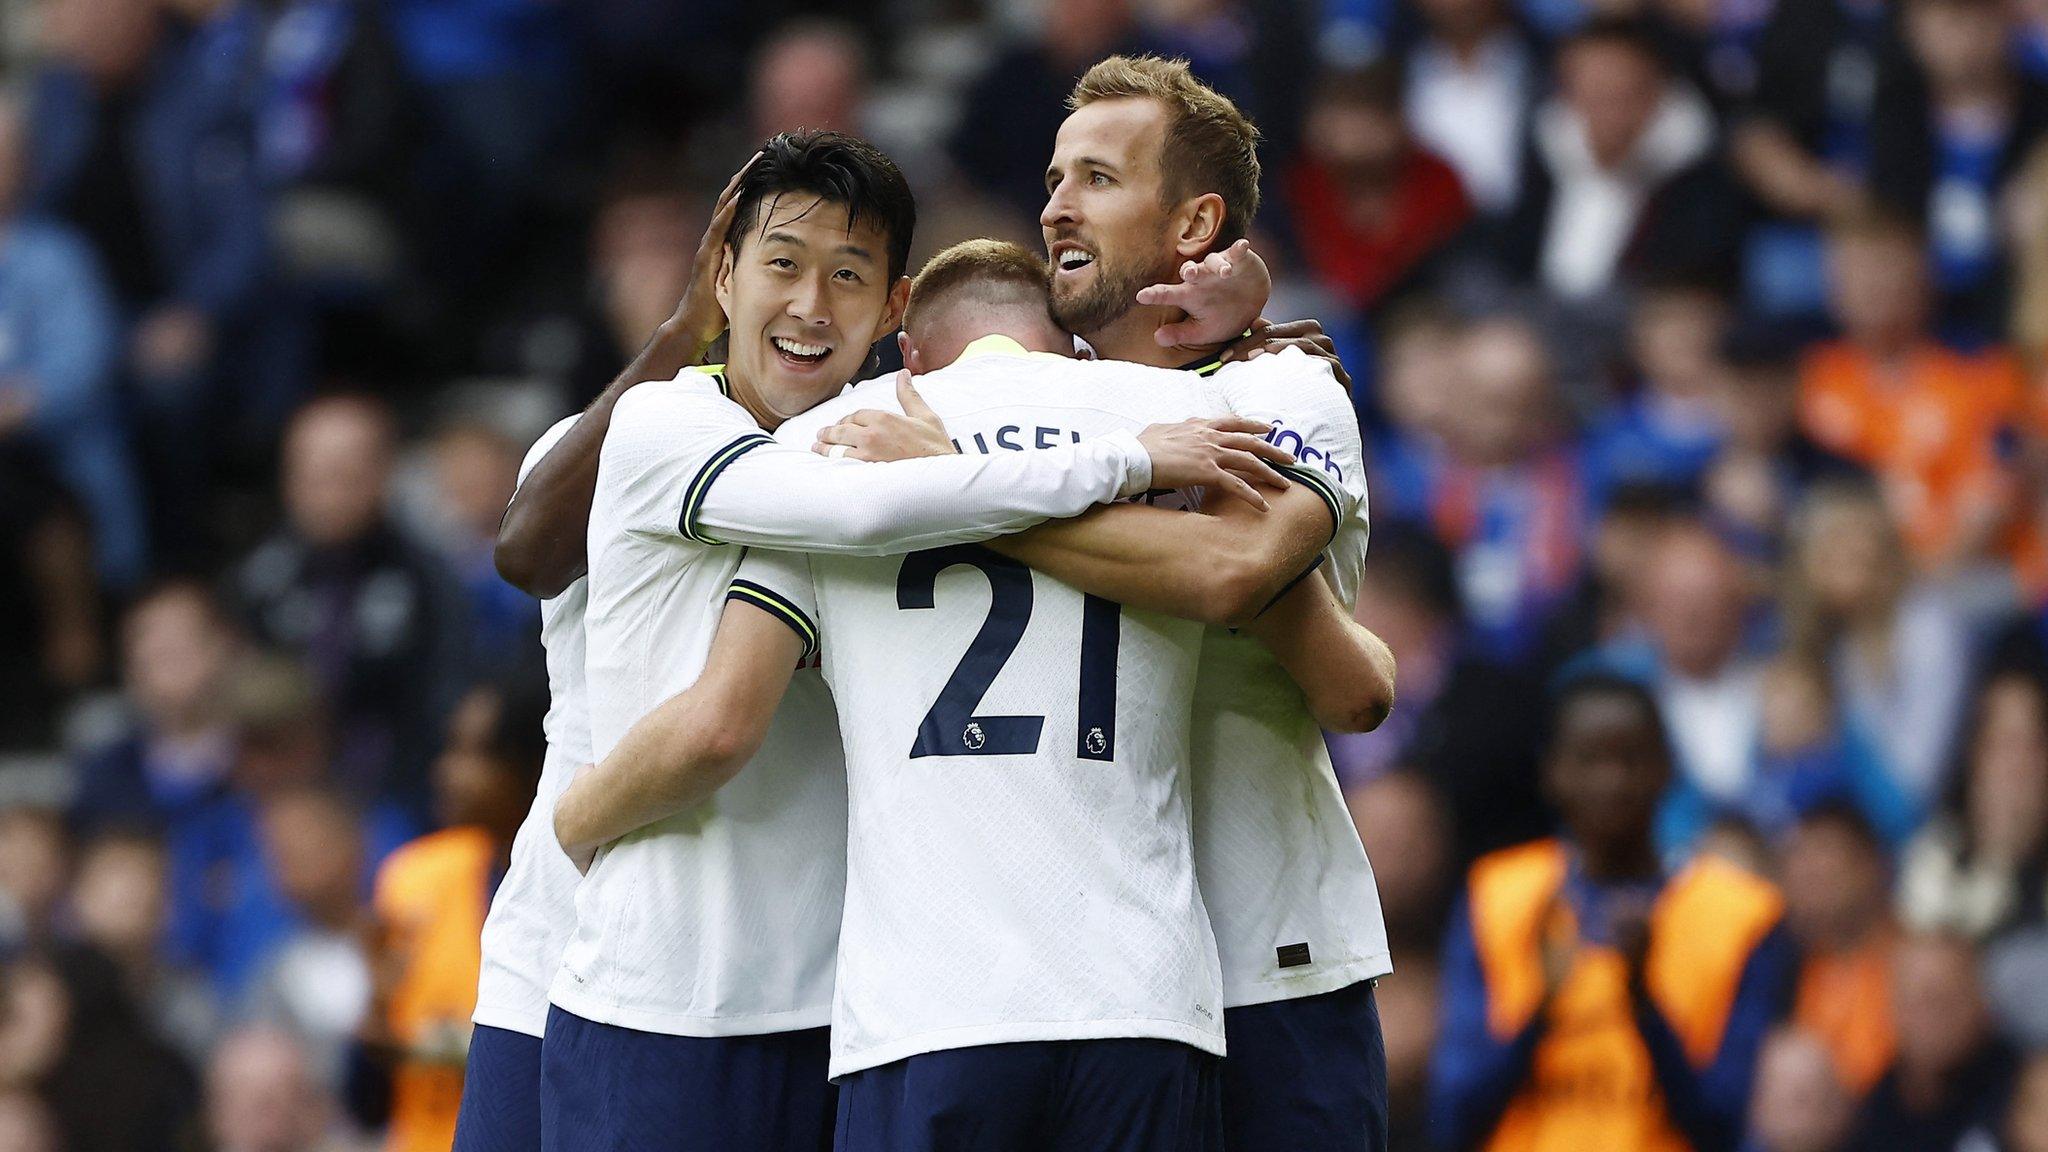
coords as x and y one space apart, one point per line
527 1021
975 1036
599 1011
1313 983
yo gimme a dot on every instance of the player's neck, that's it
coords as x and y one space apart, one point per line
745 395
1130 339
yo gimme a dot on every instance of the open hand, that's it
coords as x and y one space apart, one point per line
876 434
1227 454
698 316
1222 294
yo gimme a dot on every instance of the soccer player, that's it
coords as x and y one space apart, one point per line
1025 960
1289 890
690 1007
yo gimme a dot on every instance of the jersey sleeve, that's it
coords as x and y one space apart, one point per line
780 584
668 443
777 495
1312 418
546 444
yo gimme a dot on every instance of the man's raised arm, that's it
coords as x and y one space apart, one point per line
540 548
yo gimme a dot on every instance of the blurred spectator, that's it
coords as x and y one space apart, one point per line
376 618
35 865
1472 77
431 899
1370 207
1838 907
1405 408
641 247
74 1035
1694 604
2027 216
1605 606
1622 184
1922 416
59 348
1669 431
141 138
1765 461
496 84
2026 1125
1898 650
316 980
1810 753
262 1096
810 74
1590 999
1799 1104
1507 495
26 1124
1464 723
1804 146
119 904
1404 826
1011 113
1982 864
1950 132
1952 1077
475 469
170 768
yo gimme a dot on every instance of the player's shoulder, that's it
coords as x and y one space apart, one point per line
879 392
695 399
1289 365
546 443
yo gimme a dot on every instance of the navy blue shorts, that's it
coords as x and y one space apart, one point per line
500 1093
609 1089
1306 1073
1073 1095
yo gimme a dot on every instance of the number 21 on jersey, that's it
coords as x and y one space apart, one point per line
952 727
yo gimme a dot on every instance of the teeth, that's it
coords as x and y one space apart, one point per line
795 349
1074 258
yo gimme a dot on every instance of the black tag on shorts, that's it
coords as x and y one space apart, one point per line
1292 955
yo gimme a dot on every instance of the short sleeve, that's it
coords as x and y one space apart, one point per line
1312 418
546 444
668 443
780 584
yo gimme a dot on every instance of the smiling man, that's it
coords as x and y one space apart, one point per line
689 1012
1154 169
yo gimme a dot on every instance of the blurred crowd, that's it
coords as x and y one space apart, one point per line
1698 342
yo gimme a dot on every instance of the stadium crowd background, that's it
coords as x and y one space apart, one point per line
1702 339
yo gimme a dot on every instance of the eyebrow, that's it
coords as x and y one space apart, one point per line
854 250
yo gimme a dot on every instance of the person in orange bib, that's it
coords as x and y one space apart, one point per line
1591 999
431 897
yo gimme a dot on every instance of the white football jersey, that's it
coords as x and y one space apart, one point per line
1021 865
534 909
1289 889
723 920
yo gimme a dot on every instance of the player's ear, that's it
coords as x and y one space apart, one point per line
722 284
899 299
1200 225
906 351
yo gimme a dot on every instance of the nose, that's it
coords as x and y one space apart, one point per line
808 303
1059 207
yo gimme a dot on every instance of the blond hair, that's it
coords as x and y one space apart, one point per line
987 271
1209 145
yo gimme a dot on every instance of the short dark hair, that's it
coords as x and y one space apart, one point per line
1625 32
838 169
1596 683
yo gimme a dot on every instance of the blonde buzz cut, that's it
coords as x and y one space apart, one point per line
1209 146
984 272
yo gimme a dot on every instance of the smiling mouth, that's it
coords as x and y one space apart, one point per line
798 352
1072 258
